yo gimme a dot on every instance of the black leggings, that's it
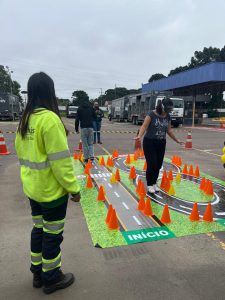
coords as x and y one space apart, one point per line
154 151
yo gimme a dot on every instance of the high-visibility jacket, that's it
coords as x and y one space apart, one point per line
47 170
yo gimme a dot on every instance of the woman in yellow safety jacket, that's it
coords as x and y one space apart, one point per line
48 178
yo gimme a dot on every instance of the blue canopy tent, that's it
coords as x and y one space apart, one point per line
208 78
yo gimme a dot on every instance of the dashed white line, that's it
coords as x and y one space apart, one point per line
117 195
105 179
103 174
137 221
220 213
100 175
109 185
186 207
96 175
124 204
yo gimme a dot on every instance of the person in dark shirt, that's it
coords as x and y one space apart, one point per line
85 117
97 123
156 125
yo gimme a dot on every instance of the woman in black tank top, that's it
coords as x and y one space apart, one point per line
155 127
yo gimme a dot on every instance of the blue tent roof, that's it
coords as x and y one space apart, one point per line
212 72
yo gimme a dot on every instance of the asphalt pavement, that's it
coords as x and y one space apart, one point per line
191 267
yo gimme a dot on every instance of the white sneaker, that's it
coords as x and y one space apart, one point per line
157 189
151 189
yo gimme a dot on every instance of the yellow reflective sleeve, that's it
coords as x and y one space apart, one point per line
61 163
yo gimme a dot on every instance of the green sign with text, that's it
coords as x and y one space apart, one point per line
147 235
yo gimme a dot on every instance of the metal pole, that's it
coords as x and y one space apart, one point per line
193 109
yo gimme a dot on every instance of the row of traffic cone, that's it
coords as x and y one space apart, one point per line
208 215
176 160
166 183
206 186
191 171
111 218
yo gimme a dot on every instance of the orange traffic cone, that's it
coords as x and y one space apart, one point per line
89 184
89 164
101 194
80 155
3 148
194 216
165 219
206 185
185 170
108 161
145 166
117 175
188 144
115 154
87 170
179 163
138 186
202 184
208 215
137 143
167 185
170 175
128 159
75 155
109 213
142 190
80 146
111 163
135 157
113 222
102 161
209 189
191 171
132 174
148 208
141 203
197 173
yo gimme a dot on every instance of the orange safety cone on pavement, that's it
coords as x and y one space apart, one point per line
128 159
206 185
194 216
101 194
108 161
208 215
185 170
110 208
115 154
148 208
132 174
3 148
80 156
170 175
145 166
87 170
89 164
188 144
197 173
135 156
117 175
167 185
113 222
165 219
75 156
191 171
102 161
202 184
138 186
111 163
141 203
89 184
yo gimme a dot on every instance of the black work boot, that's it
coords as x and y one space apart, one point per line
64 280
37 281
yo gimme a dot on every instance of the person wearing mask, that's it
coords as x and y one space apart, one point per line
85 117
155 127
48 178
97 123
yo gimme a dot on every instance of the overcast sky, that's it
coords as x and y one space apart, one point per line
97 44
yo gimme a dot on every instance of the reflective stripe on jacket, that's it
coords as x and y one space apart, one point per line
46 165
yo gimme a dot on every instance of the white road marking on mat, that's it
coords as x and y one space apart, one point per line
107 174
103 174
137 221
117 195
109 185
100 175
220 213
124 204
190 208
105 179
96 175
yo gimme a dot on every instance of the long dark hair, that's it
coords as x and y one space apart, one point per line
41 93
162 105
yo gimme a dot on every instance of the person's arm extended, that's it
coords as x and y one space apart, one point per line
144 127
59 157
172 136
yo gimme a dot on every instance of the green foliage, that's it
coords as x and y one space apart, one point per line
63 102
6 83
78 97
156 76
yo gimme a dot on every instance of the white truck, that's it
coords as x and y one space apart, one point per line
71 111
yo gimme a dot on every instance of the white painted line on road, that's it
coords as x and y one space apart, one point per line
117 164
96 175
96 168
107 174
220 213
124 204
109 185
159 196
117 195
137 221
190 208
103 174
100 175
105 179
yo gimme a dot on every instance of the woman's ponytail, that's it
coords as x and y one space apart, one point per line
159 107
